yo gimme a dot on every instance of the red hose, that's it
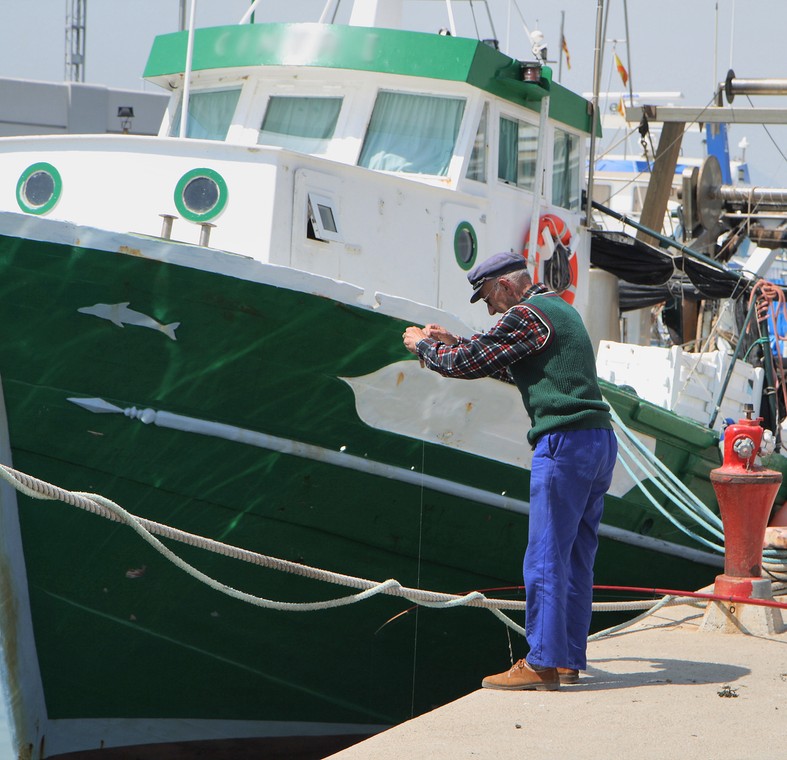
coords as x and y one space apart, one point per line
669 592
697 595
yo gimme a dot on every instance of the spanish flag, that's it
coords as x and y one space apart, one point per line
565 51
624 75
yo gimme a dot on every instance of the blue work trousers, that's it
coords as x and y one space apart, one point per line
571 472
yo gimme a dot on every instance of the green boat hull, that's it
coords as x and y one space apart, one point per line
120 633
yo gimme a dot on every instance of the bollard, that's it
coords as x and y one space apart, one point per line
746 492
166 226
204 235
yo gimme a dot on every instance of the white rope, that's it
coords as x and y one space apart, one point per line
148 529
663 602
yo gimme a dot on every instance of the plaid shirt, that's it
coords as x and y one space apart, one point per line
521 331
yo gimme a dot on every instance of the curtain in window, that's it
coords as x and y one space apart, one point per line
560 174
476 167
210 114
507 151
528 151
565 171
412 133
305 125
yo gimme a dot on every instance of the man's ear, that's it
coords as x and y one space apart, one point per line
511 288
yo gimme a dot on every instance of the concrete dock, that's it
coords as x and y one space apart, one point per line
668 686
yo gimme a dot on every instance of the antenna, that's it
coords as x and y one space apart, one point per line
76 17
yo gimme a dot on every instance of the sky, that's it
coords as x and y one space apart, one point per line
684 46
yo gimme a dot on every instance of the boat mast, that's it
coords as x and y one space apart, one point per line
560 51
538 185
628 51
247 16
328 15
451 22
594 108
184 113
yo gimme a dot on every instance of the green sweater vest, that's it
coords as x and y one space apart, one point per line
559 384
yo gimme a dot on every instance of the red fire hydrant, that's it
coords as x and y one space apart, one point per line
746 493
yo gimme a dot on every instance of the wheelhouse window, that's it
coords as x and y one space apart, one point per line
412 133
517 149
565 171
302 124
210 114
476 168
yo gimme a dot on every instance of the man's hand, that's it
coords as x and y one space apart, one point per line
438 332
411 336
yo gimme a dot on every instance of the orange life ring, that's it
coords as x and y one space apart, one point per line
559 259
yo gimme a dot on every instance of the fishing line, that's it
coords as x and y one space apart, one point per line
775 144
614 145
418 575
715 328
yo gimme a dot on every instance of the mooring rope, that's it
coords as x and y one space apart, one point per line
149 529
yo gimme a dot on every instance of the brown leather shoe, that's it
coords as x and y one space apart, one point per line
568 675
523 677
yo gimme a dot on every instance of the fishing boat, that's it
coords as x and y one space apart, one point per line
204 326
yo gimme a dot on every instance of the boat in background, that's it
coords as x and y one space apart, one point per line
205 327
623 168
708 207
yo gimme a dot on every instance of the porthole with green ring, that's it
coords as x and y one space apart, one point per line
200 195
465 245
39 188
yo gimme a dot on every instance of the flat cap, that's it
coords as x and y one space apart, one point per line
494 266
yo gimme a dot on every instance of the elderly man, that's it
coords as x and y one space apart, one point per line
541 345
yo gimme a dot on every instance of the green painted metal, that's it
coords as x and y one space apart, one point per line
389 51
57 188
222 195
464 237
173 648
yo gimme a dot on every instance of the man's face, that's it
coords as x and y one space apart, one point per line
499 295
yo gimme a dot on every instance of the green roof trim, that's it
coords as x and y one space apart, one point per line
392 51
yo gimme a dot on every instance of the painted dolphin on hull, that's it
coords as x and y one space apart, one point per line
119 314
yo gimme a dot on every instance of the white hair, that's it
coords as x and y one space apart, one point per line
520 278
